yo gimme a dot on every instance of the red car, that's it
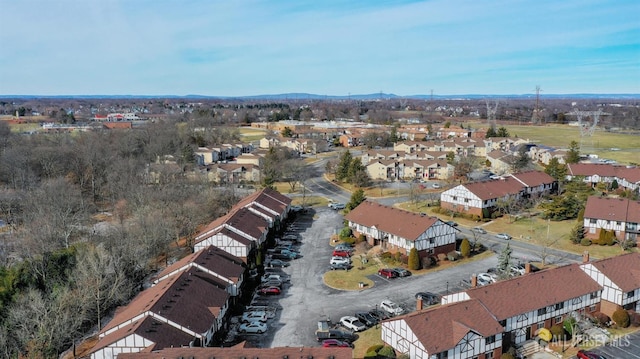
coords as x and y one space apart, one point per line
586 354
331 343
269 291
388 273
337 253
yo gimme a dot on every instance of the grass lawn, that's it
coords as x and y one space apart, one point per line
252 134
366 339
554 234
351 279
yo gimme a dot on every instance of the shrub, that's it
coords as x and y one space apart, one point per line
427 262
386 255
375 348
345 233
453 256
414 259
621 318
557 330
585 242
387 352
349 240
396 256
404 259
507 356
371 355
361 238
465 248
634 319
601 318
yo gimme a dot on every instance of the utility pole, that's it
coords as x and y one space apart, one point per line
536 113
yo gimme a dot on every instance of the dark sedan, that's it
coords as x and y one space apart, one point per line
366 318
428 298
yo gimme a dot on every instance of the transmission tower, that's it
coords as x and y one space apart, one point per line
536 118
586 128
491 113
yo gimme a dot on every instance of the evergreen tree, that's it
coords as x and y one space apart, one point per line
414 259
491 132
502 132
342 170
556 170
505 260
573 155
357 197
577 233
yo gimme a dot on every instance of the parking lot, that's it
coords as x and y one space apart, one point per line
621 348
308 300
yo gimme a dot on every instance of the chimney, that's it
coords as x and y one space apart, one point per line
527 268
585 257
419 303
474 281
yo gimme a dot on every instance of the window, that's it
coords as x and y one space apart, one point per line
592 308
455 198
488 355
443 355
490 340
559 306
542 311
557 319
593 295
630 294
592 221
466 200
540 325
618 223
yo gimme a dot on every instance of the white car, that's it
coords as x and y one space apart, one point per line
435 185
485 278
253 327
254 317
352 323
504 236
340 260
391 307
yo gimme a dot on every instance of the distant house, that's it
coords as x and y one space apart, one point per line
386 170
400 231
594 173
620 215
243 350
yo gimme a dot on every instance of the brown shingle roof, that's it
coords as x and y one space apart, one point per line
192 299
404 224
612 209
588 169
442 328
533 178
162 334
491 189
242 351
212 258
623 270
534 291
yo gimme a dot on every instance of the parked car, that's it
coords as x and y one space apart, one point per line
483 279
366 318
517 269
343 247
391 307
340 266
478 230
504 236
587 354
341 335
452 223
488 277
338 253
428 298
271 276
279 263
387 273
332 343
351 322
336 206
336 260
254 317
435 185
291 237
269 291
379 314
253 327
401 272
296 208
271 283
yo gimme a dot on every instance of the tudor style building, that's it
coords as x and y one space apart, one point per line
480 198
620 280
620 215
398 230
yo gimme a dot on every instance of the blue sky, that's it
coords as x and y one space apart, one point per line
325 47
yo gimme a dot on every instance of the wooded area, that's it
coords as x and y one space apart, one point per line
85 225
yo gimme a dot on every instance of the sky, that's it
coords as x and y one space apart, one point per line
323 47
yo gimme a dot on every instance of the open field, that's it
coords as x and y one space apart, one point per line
601 143
252 134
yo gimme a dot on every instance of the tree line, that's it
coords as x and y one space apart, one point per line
87 222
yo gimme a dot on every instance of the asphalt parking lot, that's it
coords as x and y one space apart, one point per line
307 300
627 347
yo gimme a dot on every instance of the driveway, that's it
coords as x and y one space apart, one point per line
627 347
307 300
